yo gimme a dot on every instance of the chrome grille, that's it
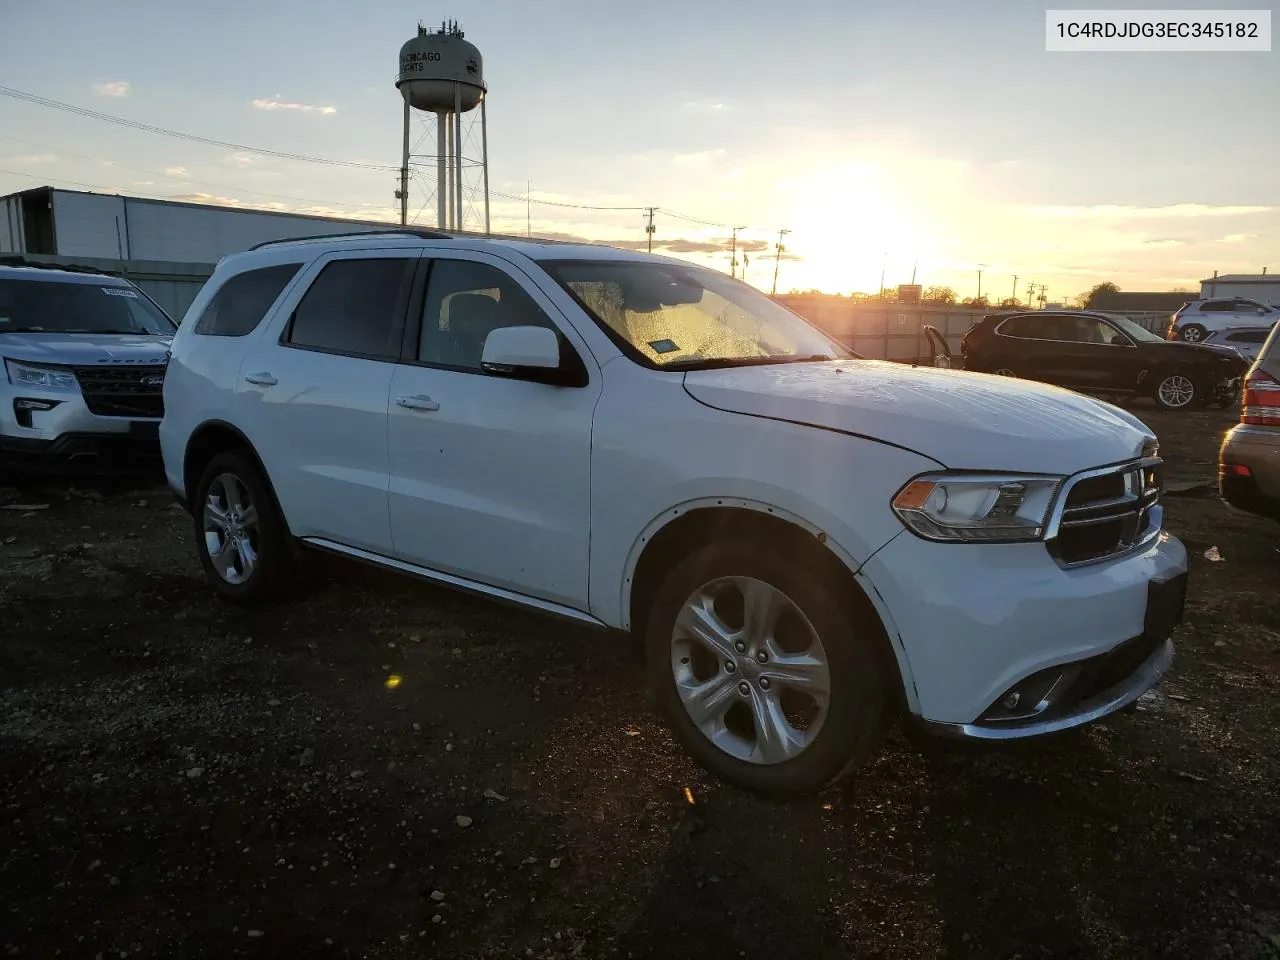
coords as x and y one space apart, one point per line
123 390
1104 513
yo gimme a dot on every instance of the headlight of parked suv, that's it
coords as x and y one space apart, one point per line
43 378
977 508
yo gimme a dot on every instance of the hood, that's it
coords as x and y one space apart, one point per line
1191 351
964 420
82 349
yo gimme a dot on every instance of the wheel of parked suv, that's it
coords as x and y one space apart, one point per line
1174 391
241 537
1004 371
765 676
1192 333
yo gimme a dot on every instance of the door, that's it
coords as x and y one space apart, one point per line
314 395
1091 354
490 476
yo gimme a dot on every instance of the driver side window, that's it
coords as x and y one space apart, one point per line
465 301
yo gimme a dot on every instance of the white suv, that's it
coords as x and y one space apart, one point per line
810 545
1194 321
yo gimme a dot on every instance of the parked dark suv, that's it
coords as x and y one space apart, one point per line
1102 353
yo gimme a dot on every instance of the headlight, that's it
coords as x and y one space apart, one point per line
43 378
986 508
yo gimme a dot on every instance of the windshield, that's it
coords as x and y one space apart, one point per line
49 306
1136 330
685 317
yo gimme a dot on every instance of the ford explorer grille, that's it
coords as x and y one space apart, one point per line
1107 512
124 390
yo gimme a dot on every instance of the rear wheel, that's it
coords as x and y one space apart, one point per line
767 679
1192 333
1175 391
241 538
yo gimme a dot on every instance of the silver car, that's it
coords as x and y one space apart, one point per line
1246 341
84 356
1249 459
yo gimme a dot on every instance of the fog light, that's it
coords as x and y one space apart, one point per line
24 403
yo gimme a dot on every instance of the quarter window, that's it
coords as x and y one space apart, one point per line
465 302
241 303
354 307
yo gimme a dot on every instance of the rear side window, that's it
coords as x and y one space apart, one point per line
1024 328
1250 336
354 307
1218 306
239 306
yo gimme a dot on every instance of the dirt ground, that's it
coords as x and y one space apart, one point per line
385 769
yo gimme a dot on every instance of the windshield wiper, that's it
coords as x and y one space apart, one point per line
719 363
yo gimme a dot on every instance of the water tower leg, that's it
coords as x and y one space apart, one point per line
457 152
441 170
404 169
484 160
448 168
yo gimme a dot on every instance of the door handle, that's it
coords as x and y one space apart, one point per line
261 379
418 402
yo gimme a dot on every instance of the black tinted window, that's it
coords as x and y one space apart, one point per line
354 307
465 301
239 306
1026 328
40 306
1217 306
1251 336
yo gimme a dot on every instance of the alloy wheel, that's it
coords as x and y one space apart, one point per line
750 670
230 523
1176 391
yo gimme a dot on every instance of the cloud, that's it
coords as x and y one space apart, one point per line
275 103
1238 238
699 160
115 88
1177 210
242 159
33 159
707 105
178 173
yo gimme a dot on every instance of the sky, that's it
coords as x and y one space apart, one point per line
934 137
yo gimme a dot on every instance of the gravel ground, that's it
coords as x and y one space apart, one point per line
384 769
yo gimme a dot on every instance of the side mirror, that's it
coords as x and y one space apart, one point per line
525 353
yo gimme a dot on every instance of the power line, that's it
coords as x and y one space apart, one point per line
158 173
191 137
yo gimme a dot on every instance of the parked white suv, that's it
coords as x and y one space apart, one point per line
1194 321
810 545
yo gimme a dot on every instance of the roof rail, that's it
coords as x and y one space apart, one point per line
18 260
396 232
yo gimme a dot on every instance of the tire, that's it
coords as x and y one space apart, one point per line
269 570
1170 391
1003 369
835 738
1192 333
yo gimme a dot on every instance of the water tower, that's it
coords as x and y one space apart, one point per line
442 74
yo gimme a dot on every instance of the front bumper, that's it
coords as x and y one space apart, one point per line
66 436
974 623
82 452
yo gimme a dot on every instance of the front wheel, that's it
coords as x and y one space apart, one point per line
241 537
1174 391
766 678
1192 333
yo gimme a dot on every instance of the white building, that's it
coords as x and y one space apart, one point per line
1263 287
73 223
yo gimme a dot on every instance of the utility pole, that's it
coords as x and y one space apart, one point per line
1031 293
733 253
884 257
649 228
778 261
1015 287
981 266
